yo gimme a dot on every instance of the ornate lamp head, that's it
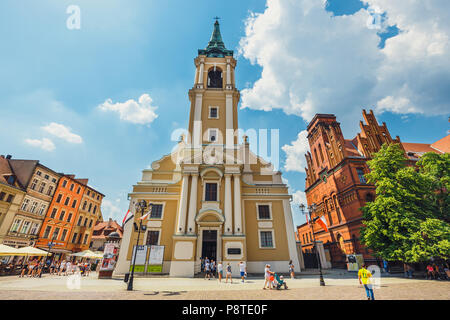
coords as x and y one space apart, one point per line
302 207
141 204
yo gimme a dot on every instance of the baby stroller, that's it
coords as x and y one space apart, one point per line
280 282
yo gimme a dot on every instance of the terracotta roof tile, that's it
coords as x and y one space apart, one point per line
442 145
351 149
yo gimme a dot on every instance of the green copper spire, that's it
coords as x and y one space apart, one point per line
216 47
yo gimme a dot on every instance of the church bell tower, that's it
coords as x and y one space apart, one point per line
214 98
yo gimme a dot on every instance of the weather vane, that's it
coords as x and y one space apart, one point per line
216 18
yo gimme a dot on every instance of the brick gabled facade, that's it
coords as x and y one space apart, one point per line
335 182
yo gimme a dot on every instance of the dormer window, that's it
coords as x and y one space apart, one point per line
11 179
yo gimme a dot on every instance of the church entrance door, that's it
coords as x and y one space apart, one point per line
209 244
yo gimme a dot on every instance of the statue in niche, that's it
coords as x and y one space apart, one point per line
215 78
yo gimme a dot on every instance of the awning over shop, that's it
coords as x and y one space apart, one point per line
56 250
30 251
88 254
7 250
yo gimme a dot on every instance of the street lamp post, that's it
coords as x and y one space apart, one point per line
312 208
142 205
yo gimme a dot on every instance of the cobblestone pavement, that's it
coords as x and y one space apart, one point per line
304 287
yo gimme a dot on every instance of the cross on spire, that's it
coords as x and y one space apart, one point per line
216 18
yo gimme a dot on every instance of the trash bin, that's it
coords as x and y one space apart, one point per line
127 276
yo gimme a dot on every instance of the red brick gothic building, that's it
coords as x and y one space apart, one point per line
335 181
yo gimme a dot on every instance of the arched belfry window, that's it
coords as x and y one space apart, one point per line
215 77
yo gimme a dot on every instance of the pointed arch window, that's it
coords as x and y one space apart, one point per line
321 154
317 158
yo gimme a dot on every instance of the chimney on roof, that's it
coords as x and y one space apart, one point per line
8 156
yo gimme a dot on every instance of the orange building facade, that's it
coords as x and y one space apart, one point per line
88 214
335 181
61 217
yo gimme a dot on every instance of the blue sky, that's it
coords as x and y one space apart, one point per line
124 49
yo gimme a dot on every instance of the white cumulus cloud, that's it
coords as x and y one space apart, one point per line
112 210
63 132
314 62
44 144
298 198
295 153
139 112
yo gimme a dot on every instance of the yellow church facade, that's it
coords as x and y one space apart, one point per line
213 197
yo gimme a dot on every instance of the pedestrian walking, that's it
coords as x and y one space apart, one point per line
291 269
213 268
364 278
62 267
386 266
207 270
267 275
242 270
430 271
68 268
220 271
228 274
52 267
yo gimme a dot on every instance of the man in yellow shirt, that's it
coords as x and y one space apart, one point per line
364 277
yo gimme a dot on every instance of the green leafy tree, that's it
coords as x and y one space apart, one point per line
436 167
401 223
